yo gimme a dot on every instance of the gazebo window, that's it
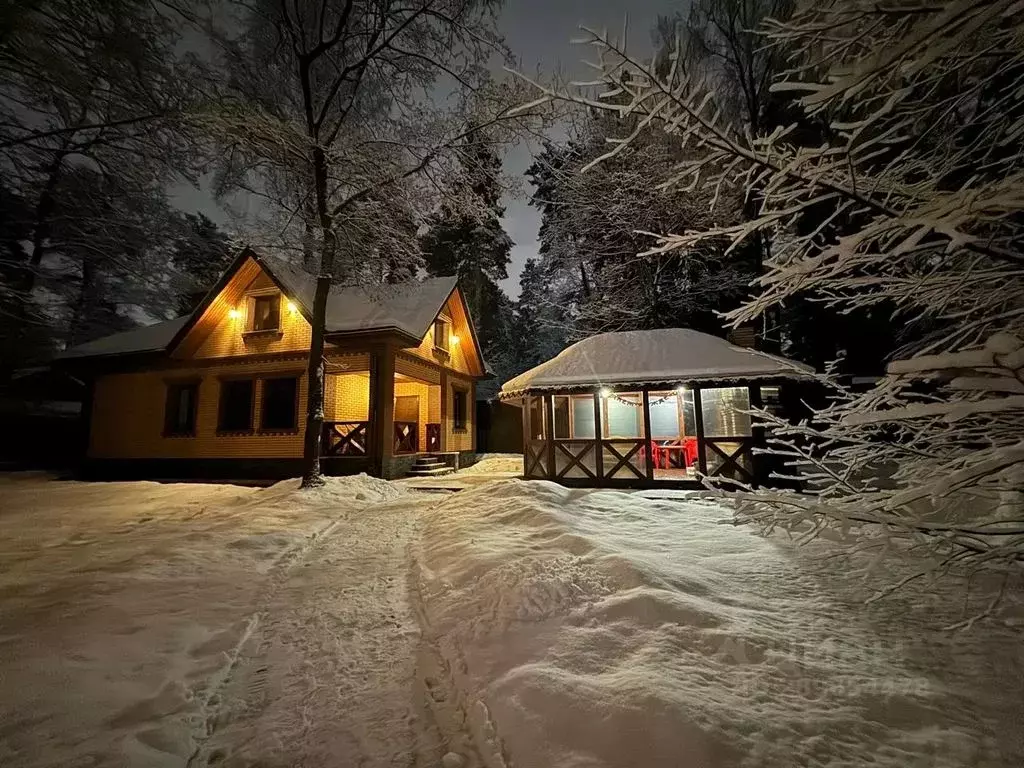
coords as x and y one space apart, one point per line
562 417
726 431
537 422
724 411
583 417
664 416
623 415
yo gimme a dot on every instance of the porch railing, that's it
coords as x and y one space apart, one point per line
344 438
407 437
433 438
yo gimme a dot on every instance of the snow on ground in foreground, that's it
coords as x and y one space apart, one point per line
492 463
581 628
128 608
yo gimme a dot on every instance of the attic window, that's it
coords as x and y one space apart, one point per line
266 312
442 334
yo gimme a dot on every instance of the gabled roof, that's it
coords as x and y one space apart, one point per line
149 338
405 308
408 308
666 356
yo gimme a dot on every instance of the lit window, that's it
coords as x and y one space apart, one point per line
266 313
442 332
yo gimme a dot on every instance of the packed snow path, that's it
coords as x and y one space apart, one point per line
190 625
330 673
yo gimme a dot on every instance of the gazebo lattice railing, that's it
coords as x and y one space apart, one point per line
574 437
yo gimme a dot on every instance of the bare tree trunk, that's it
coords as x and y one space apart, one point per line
311 475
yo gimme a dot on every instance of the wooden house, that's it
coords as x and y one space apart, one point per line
222 392
650 408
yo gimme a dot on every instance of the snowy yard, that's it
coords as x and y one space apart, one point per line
514 624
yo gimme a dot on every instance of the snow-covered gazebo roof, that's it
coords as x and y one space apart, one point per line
665 356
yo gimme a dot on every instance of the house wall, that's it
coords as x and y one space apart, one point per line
347 397
128 410
225 336
462 356
460 439
128 415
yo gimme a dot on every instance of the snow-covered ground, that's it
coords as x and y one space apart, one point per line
509 624
496 463
145 624
599 629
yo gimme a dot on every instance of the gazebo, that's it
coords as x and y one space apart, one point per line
647 408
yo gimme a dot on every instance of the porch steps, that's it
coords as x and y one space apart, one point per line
427 466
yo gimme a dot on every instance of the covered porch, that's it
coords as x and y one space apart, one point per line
643 408
647 435
383 418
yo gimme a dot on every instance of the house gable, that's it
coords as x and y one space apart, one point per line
463 355
225 323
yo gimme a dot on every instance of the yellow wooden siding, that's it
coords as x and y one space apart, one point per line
128 415
462 354
409 366
460 440
226 337
347 397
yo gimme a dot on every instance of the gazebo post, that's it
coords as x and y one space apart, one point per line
549 409
598 435
698 417
648 463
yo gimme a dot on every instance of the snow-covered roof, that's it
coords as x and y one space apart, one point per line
149 338
665 356
407 308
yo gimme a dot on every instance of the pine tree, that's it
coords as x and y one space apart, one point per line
465 238
539 320
201 254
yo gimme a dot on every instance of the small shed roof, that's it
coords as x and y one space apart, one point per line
665 356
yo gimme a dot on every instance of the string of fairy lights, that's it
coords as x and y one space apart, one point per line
608 394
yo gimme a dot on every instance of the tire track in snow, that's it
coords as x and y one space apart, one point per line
211 701
329 677
464 722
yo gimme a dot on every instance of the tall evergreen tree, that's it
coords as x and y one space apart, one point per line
465 238
540 331
201 253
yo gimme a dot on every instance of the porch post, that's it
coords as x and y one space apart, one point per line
382 408
598 435
549 410
698 417
444 411
649 463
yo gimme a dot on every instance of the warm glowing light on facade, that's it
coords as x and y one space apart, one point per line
454 339
291 307
234 314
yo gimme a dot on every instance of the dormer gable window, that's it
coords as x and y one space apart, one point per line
263 313
266 312
442 335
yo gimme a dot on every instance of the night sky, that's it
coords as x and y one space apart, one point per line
539 33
